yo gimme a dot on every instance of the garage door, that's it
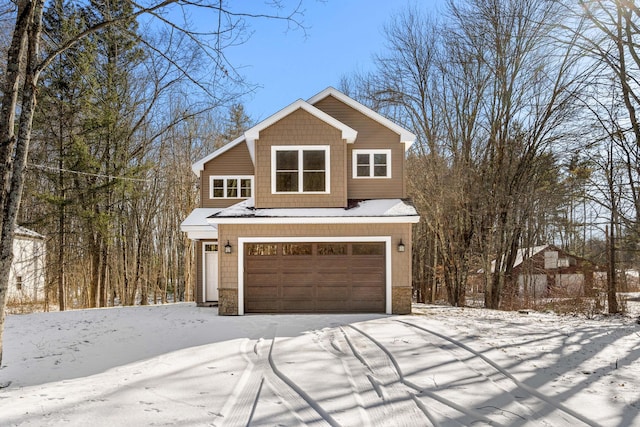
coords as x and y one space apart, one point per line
314 277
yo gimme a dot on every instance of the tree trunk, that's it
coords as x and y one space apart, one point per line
27 30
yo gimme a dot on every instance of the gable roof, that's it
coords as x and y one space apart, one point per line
406 137
21 231
250 136
522 254
526 253
348 133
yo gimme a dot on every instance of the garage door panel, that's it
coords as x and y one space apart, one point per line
297 292
265 263
367 306
297 278
262 306
261 279
332 262
366 294
298 306
332 293
259 292
333 279
363 279
340 277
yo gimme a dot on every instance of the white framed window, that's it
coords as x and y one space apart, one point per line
300 169
371 163
230 187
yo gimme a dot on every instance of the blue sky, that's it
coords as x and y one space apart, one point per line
342 38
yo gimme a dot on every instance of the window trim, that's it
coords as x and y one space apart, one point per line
224 188
371 153
301 149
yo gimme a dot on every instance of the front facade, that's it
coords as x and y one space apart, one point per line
306 212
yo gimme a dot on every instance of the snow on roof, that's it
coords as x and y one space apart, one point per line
25 232
198 218
522 254
196 225
379 208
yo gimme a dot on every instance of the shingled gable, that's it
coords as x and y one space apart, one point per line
250 136
406 137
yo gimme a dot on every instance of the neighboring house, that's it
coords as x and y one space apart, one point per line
549 271
26 279
306 212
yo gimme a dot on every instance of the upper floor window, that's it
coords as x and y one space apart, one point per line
300 169
372 163
230 187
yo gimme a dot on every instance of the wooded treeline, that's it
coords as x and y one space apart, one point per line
121 115
527 124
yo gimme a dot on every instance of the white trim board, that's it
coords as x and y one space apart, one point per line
385 239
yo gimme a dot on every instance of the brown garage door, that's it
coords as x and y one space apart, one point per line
314 277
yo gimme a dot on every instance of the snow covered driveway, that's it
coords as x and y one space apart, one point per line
183 365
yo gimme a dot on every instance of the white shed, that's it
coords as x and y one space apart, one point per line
27 277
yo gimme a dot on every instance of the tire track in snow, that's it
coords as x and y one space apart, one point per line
243 405
393 374
332 342
546 399
508 404
385 401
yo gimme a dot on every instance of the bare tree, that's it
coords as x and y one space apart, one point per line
488 92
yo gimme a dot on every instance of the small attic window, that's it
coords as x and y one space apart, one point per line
371 163
230 187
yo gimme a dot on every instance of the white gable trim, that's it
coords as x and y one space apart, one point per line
406 137
348 133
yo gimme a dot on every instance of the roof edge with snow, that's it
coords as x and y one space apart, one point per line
366 211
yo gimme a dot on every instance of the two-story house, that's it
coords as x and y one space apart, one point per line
306 212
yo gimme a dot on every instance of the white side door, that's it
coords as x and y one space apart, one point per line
210 271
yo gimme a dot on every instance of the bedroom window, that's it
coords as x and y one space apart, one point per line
372 163
230 187
300 169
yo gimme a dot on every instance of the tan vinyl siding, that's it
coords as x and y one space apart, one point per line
234 162
300 128
371 135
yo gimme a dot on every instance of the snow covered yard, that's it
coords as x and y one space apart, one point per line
182 365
